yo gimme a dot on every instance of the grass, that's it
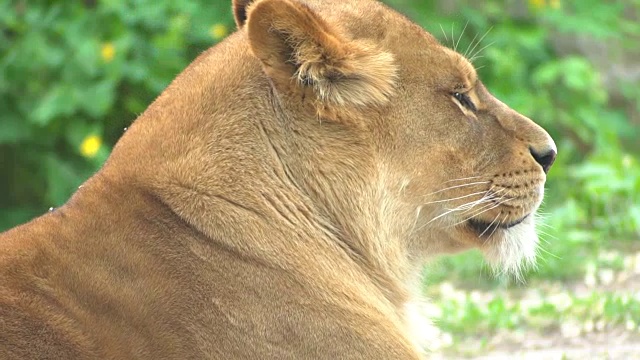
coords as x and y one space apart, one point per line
474 313
584 284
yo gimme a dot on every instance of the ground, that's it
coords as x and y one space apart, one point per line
592 314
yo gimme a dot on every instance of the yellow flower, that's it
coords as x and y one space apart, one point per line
107 52
218 31
537 4
90 146
555 4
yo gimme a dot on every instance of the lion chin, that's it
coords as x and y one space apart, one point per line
279 200
515 250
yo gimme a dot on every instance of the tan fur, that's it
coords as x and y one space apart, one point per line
278 200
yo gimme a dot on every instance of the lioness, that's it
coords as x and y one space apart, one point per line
278 199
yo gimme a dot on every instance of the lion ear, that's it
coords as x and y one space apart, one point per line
298 48
240 11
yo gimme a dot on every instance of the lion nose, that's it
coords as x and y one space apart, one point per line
545 157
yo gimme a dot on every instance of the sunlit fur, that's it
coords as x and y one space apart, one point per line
280 199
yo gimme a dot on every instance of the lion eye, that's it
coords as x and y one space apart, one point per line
464 100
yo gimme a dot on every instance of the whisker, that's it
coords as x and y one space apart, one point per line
487 200
496 227
457 186
444 33
452 43
488 197
470 44
449 211
547 252
543 242
475 56
439 216
489 226
455 198
479 41
542 224
469 206
542 232
465 178
461 35
487 208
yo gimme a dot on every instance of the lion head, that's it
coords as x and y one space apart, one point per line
392 136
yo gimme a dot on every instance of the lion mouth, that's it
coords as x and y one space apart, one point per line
482 227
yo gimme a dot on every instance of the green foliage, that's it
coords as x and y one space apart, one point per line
76 69
466 316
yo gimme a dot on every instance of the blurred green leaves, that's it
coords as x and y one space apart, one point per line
73 75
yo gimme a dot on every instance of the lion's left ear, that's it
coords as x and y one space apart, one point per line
240 11
298 48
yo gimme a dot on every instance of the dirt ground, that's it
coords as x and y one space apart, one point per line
617 344
564 340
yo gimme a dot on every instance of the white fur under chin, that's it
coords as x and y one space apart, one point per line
514 250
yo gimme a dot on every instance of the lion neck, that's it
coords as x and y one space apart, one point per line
294 187
335 170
